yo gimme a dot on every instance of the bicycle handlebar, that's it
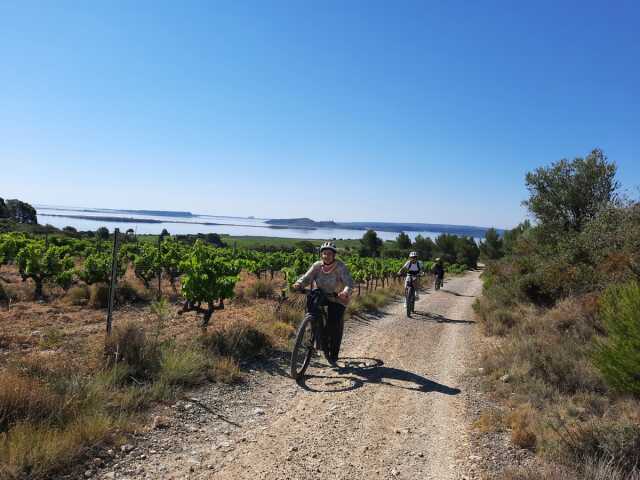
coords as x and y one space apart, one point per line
307 291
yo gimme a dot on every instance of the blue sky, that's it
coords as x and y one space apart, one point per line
396 111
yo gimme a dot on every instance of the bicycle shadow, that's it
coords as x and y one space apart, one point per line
441 318
451 292
359 371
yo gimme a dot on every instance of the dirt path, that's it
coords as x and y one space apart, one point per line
394 409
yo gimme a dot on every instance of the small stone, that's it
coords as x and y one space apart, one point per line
394 472
258 411
88 473
421 454
293 449
127 447
505 378
110 476
161 422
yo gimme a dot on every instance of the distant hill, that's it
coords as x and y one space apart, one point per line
301 222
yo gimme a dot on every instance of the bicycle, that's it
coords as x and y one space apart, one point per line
410 293
438 283
309 337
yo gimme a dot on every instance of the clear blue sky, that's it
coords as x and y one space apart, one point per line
344 110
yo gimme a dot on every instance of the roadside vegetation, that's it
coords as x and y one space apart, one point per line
563 299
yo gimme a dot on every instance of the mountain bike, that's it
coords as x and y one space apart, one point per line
311 332
410 293
438 283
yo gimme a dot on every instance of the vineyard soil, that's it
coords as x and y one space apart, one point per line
395 408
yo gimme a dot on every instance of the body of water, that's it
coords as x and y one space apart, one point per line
237 226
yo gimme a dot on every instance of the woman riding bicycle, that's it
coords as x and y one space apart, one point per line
413 267
333 278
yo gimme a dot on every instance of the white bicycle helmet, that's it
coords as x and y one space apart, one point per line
329 246
413 254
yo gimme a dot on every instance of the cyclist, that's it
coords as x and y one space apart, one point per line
413 267
332 277
438 271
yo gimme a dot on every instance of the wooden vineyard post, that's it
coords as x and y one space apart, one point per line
112 283
159 266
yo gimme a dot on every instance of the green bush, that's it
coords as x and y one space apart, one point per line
618 356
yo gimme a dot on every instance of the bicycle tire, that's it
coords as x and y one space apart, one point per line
302 349
410 300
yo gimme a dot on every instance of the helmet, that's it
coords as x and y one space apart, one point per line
413 254
329 246
438 259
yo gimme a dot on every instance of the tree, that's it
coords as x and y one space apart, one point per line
446 247
467 252
21 212
564 196
370 244
403 241
511 236
102 233
424 247
492 248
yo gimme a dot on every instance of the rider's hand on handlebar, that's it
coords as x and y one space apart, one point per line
343 295
296 287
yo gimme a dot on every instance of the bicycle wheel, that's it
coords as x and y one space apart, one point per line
410 300
303 348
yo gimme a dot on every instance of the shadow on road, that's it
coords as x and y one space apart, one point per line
450 292
441 318
355 372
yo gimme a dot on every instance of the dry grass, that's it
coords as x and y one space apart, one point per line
260 289
23 398
490 420
522 423
38 451
225 370
238 339
78 295
98 295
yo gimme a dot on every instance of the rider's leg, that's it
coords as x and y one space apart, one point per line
335 327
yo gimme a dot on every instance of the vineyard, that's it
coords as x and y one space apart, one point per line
203 276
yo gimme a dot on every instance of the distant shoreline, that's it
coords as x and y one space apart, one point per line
96 218
293 224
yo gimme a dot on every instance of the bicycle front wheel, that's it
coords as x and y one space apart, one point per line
303 348
410 300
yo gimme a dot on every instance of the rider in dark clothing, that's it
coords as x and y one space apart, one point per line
438 269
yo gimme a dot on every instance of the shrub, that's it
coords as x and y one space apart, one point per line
238 339
260 289
128 345
618 356
522 427
225 370
613 441
127 293
24 398
79 295
183 366
99 295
